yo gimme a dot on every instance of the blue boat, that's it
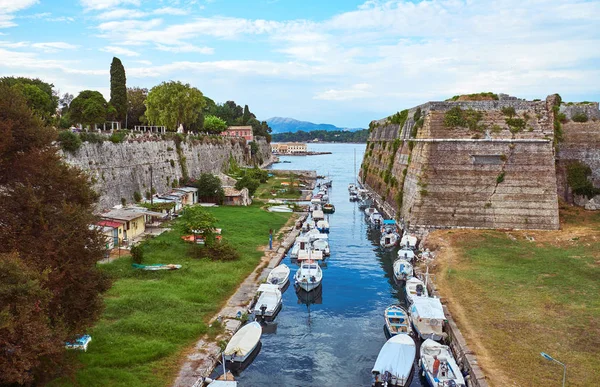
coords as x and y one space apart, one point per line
396 320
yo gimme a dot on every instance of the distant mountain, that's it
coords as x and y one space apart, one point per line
286 125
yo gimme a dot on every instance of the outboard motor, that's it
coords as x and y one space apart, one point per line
419 290
263 309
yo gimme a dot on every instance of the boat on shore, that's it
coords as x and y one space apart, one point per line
448 373
243 343
394 364
309 275
396 320
427 317
403 270
415 288
269 302
279 276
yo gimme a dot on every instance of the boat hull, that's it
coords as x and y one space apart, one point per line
269 315
308 286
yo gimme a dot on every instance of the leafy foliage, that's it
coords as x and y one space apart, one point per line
578 179
399 118
209 188
457 117
359 136
136 96
173 103
214 125
247 182
137 254
515 125
475 97
118 89
89 107
579 117
509 111
39 95
223 251
197 220
69 141
46 209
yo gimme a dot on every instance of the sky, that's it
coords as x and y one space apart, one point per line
342 62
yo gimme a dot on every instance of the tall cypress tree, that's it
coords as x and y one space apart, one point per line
118 88
246 115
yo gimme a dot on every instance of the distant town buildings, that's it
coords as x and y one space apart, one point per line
288 148
239 131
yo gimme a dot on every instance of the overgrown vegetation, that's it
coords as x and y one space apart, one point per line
578 179
470 118
69 141
344 136
579 117
475 97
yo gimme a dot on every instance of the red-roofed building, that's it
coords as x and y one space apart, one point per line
239 131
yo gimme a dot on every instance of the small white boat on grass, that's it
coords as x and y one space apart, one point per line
406 253
415 288
243 343
280 209
403 270
309 275
427 317
396 320
448 373
321 245
302 244
388 240
394 363
269 302
279 276
408 241
323 226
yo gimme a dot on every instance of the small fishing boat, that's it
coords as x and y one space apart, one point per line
243 343
309 275
403 270
321 245
364 204
280 209
376 218
328 208
370 210
313 235
394 363
302 244
448 372
317 215
389 225
315 200
408 241
396 320
323 226
352 187
279 276
406 253
354 196
269 302
427 317
415 288
388 240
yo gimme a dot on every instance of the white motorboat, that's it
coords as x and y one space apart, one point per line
394 363
406 253
321 245
269 301
309 275
313 235
376 218
448 372
315 201
280 209
243 343
396 320
388 240
352 187
427 317
279 276
302 244
408 241
403 270
415 288
317 215
370 210
354 196
323 226
310 255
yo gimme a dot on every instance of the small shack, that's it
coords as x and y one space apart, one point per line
234 197
133 222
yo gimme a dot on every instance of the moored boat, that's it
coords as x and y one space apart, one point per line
376 218
323 226
302 244
269 302
309 275
243 343
328 208
415 288
317 215
403 270
321 245
408 241
279 276
427 317
448 373
396 320
394 363
407 254
388 240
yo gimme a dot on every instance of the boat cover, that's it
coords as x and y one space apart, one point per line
244 341
389 222
312 254
317 214
223 383
280 272
396 356
268 288
408 240
406 254
426 307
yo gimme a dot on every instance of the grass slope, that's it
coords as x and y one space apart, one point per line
152 317
514 298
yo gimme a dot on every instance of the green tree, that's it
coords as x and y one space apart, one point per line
210 188
45 212
197 221
39 95
214 125
89 107
136 96
173 103
118 89
247 182
246 115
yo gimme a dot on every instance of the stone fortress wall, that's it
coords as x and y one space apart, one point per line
492 175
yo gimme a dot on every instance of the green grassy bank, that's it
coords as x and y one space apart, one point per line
517 294
152 317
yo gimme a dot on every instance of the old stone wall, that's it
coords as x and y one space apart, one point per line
491 176
119 170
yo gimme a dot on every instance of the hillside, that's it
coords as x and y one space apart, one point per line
358 136
285 125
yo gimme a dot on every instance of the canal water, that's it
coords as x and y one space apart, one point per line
333 338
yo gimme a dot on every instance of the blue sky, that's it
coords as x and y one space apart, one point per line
340 62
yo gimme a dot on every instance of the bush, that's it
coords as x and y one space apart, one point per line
500 177
509 111
580 117
515 124
137 254
137 197
247 182
69 141
222 252
118 136
91 137
577 178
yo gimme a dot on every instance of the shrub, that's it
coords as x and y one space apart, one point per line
454 117
123 201
579 117
137 197
562 117
509 111
137 254
222 252
577 178
515 124
118 136
399 118
500 177
69 141
247 182
91 137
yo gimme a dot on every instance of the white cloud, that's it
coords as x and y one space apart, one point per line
11 6
21 61
358 91
119 51
121 13
54 46
66 19
184 47
170 11
106 4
